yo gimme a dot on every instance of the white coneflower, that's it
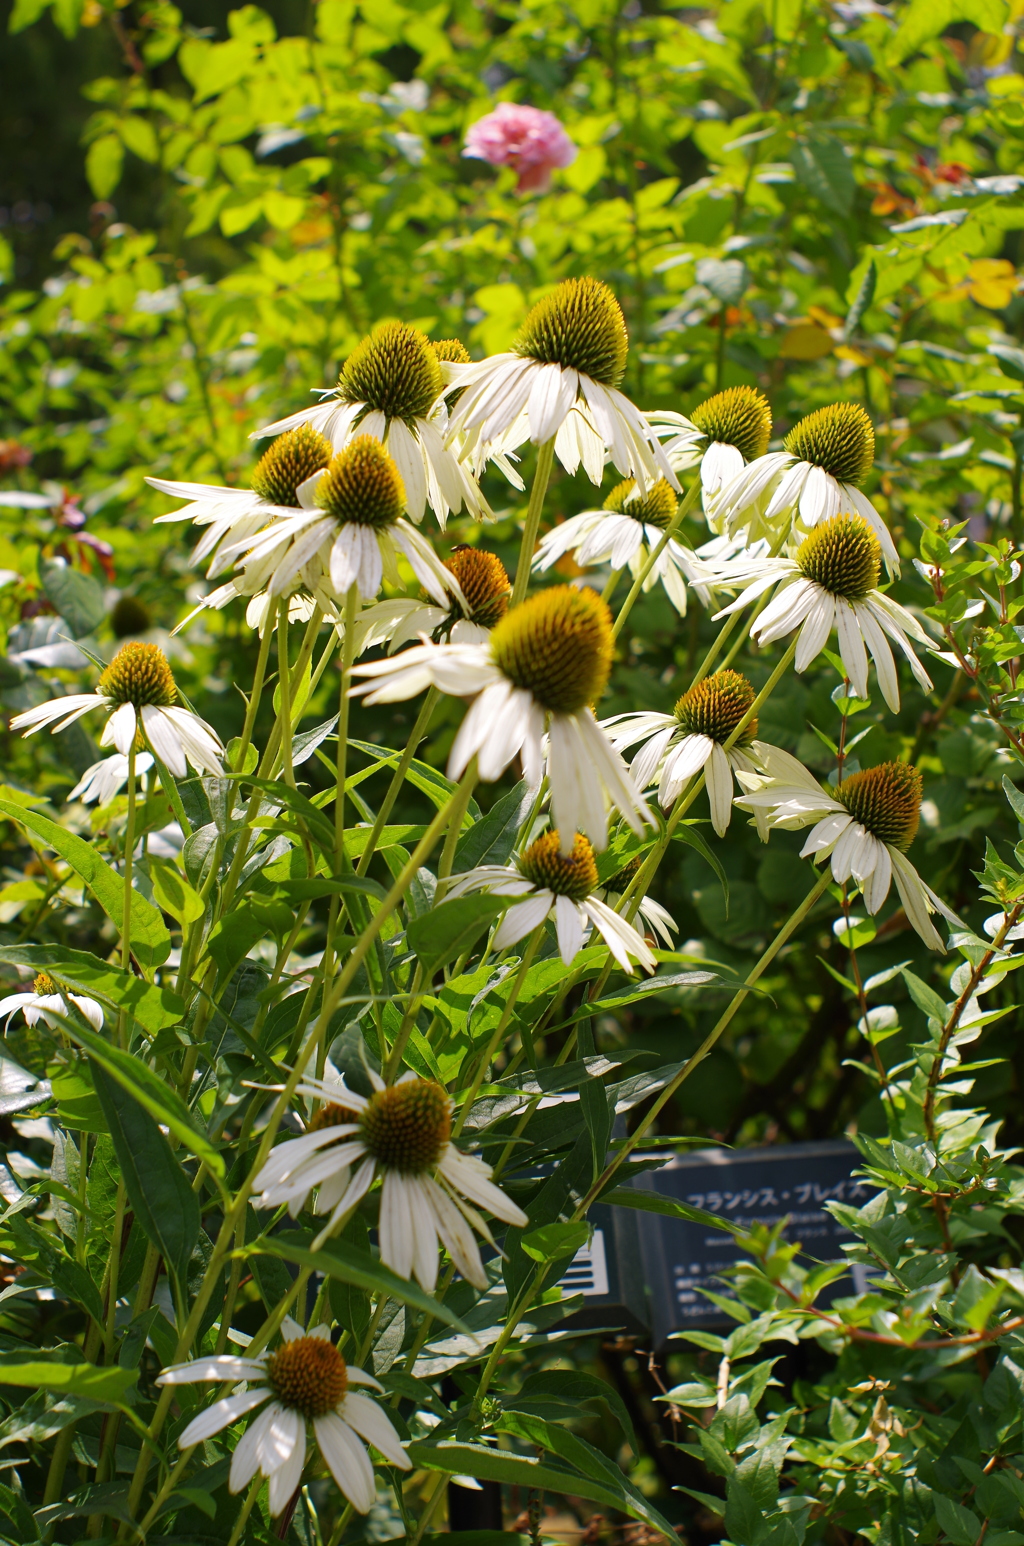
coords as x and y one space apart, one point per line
46 1000
479 589
391 387
104 779
678 745
657 918
722 435
350 532
545 663
401 1133
831 583
864 826
827 455
305 1380
548 883
560 379
623 533
237 513
138 692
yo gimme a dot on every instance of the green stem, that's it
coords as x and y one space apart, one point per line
246 1509
129 853
347 657
521 1305
673 526
454 832
499 1030
545 460
254 702
285 680
416 735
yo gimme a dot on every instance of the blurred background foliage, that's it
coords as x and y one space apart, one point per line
203 209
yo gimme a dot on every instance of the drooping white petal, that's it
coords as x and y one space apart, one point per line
220 1415
471 1177
220 1366
569 926
347 1460
522 919
621 938
456 1232
370 1422
285 1478
718 779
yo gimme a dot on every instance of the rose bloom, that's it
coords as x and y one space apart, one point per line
530 141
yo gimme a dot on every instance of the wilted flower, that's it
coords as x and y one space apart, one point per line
546 883
138 692
304 1381
401 1133
533 143
560 379
545 663
865 826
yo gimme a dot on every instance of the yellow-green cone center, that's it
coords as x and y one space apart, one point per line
308 1376
557 646
450 351
407 1126
362 485
139 674
839 438
842 555
886 800
393 370
573 874
294 457
739 416
44 985
580 327
332 1115
715 706
484 581
655 508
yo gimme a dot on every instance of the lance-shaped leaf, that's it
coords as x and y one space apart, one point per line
448 930
163 1103
160 1193
40 1371
150 941
350 1265
153 1008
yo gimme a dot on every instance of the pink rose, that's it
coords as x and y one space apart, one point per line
531 141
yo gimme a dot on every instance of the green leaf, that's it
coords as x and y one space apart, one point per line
960 1524
25 13
103 162
74 1379
501 1465
349 1265
686 833
572 1387
150 941
1015 797
1010 358
669 1207
926 999
862 300
492 840
448 930
173 892
160 1193
153 1008
162 1102
823 167
421 776
553 1241
77 597
234 935
328 885
71 1279
317 825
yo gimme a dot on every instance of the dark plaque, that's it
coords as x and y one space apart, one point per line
744 1186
